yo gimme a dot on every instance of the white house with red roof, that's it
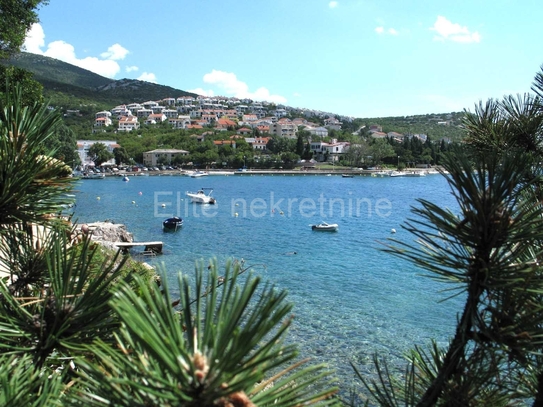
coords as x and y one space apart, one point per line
244 131
128 123
260 143
156 118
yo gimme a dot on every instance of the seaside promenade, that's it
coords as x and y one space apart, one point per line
297 171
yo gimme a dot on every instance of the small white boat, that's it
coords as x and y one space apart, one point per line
325 227
347 175
397 174
198 174
201 197
126 179
221 173
93 175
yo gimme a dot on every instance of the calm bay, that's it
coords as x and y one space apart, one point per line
351 299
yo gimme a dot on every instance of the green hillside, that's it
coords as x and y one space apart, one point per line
69 86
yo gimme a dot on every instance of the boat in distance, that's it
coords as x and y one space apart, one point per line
325 227
93 175
172 223
198 174
201 197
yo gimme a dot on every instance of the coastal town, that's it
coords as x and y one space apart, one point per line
227 122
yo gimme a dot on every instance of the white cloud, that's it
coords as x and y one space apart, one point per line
232 86
115 52
63 51
35 39
131 68
447 30
333 4
381 30
202 92
148 77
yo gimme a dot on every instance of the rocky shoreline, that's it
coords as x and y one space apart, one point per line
105 233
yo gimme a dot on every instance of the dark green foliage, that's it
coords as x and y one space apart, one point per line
418 124
226 337
99 153
31 89
16 18
32 184
490 254
63 146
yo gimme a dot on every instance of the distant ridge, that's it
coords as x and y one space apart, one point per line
58 76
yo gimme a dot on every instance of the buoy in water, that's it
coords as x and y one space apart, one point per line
98 197
163 205
392 230
133 202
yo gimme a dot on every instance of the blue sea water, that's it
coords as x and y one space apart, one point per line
351 299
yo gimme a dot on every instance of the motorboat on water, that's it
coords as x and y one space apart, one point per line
325 227
93 175
201 196
172 223
397 174
126 179
347 175
198 174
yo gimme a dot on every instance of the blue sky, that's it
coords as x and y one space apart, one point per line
361 58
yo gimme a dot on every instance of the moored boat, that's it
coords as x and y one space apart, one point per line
172 223
201 197
198 174
325 227
93 175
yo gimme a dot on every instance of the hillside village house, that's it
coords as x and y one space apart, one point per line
378 134
83 151
128 123
181 122
329 151
284 128
220 143
244 131
317 131
260 143
332 123
155 118
161 156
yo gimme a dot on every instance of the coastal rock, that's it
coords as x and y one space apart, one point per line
106 233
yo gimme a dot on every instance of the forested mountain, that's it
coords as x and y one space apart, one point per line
69 86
